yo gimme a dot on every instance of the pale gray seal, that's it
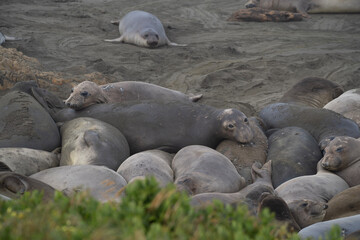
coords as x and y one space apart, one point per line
27 161
88 93
308 6
347 104
200 169
154 163
102 183
142 29
307 196
92 141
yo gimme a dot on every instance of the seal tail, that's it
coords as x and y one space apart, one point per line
119 39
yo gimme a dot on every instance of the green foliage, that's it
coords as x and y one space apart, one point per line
145 212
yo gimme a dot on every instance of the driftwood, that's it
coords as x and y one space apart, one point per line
264 15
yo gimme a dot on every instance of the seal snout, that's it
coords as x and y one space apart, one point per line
152 43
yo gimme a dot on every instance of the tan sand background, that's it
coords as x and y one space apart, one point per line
244 65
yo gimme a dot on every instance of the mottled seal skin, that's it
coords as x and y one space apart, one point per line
198 169
308 6
168 126
347 104
25 123
27 161
88 93
344 204
319 230
91 141
102 183
14 185
243 156
312 92
294 153
307 196
250 195
142 29
154 163
321 123
343 158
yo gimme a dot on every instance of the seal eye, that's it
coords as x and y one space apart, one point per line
339 149
246 120
230 126
157 36
146 35
84 94
72 90
304 204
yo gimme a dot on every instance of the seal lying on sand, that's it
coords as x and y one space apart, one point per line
308 6
313 92
88 93
142 29
168 126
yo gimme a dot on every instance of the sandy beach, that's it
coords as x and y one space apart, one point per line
246 65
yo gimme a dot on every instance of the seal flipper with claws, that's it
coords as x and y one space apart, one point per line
142 29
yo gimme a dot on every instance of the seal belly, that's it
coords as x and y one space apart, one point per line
335 6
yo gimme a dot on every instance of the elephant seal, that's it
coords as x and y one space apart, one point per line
347 104
344 204
244 155
88 93
278 206
342 157
14 185
321 123
308 6
313 92
319 230
91 141
293 153
142 29
168 126
154 163
27 161
102 183
250 195
307 196
353 236
25 123
200 169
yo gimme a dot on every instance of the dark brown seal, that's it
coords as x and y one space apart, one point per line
25 123
168 126
263 15
294 153
313 92
321 123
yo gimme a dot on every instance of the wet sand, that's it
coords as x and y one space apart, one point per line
246 65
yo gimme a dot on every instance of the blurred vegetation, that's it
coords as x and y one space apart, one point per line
145 212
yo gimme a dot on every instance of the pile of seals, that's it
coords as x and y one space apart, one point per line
297 158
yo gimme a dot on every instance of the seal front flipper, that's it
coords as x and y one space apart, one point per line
119 39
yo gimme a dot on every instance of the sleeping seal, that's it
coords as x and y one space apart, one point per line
142 29
308 6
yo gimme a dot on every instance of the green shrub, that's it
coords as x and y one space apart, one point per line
145 212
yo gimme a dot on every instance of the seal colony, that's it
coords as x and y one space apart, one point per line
142 29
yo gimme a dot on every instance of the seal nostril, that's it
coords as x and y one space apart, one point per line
251 5
326 206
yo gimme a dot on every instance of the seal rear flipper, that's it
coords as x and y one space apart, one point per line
176 44
51 103
195 98
4 167
115 22
119 39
